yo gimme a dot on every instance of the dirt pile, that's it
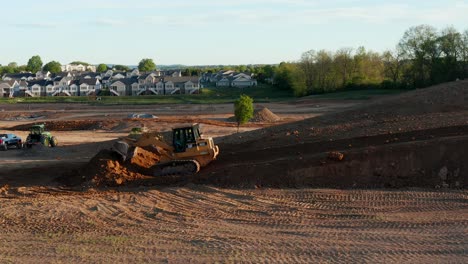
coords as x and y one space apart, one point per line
264 115
107 169
260 115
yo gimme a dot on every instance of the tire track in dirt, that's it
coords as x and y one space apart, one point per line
208 224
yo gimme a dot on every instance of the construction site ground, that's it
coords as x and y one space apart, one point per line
275 194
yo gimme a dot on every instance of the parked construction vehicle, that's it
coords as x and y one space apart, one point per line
38 135
185 155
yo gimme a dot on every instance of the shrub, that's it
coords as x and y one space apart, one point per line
243 109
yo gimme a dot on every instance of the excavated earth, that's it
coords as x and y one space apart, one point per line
381 181
422 146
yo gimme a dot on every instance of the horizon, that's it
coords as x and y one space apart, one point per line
209 32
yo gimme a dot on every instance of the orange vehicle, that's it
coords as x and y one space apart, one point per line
184 154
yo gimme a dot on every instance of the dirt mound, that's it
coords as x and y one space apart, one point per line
106 169
261 115
264 115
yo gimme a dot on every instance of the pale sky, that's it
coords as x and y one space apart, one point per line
208 32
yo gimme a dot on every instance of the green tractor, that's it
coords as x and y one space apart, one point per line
38 135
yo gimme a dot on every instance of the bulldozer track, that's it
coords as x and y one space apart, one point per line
176 168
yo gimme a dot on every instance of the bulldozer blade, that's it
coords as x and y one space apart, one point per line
121 148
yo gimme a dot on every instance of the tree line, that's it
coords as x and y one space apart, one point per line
35 64
423 57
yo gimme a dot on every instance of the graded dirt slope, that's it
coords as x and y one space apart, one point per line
438 106
405 140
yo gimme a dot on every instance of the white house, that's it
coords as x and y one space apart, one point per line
182 85
7 88
233 79
109 73
78 68
134 73
124 87
89 86
50 89
119 75
74 88
243 81
223 81
38 88
42 75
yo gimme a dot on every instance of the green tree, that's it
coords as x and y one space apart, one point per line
146 65
344 63
392 65
308 65
451 48
464 54
6 70
79 62
34 64
13 65
53 67
325 80
195 72
22 68
269 71
419 44
121 68
101 67
291 77
243 110
186 72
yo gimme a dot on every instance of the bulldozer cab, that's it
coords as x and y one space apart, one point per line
183 136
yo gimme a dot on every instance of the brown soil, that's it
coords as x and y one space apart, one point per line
123 125
78 202
283 155
296 155
264 115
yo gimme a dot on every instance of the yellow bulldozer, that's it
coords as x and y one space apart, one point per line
184 154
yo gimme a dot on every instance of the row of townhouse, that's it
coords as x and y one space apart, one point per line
88 84
78 68
151 84
81 83
230 79
108 75
61 87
